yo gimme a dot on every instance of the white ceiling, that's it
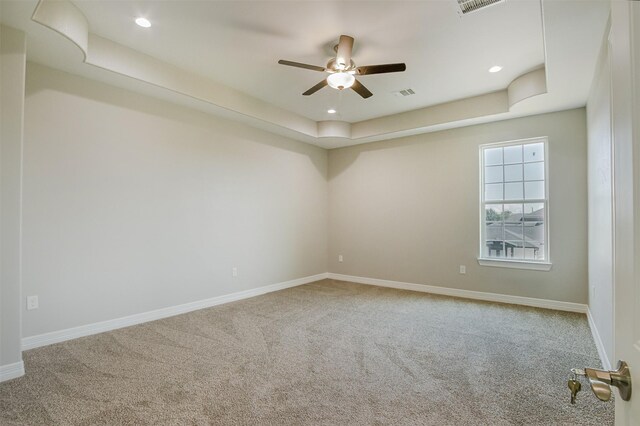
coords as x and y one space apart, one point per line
238 44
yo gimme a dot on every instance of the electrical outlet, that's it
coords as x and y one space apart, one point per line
32 302
234 271
340 259
463 269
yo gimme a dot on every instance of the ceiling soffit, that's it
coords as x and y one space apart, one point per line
66 19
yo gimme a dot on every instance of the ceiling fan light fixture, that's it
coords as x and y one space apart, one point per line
341 80
342 70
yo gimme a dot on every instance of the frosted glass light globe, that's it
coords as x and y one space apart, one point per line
341 80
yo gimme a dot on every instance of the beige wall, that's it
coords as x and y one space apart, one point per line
600 189
12 78
407 209
132 204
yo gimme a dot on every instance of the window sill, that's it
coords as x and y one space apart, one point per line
516 264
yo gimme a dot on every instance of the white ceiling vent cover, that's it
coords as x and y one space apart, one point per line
468 6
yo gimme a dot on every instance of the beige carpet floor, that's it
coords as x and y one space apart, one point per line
329 353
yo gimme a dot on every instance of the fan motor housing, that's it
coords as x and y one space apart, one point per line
333 67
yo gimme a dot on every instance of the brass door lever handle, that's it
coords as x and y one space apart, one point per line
601 381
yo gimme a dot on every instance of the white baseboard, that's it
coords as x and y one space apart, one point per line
606 364
11 371
100 327
467 294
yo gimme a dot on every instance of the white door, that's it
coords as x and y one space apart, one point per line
625 90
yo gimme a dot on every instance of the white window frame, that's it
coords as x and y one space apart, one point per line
539 265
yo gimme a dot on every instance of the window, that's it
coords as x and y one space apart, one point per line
514 204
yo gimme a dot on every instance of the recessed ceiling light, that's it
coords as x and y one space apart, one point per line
143 22
495 68
331 111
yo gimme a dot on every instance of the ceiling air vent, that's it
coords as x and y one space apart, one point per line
404 92
468 6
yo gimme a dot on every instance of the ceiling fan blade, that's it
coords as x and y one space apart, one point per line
343 57
361 90
301 65
315 88
380 69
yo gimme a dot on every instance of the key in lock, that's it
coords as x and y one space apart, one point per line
574 386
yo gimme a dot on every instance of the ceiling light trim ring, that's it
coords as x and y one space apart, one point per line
143 22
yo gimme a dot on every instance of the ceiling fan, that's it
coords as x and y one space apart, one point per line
342 70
